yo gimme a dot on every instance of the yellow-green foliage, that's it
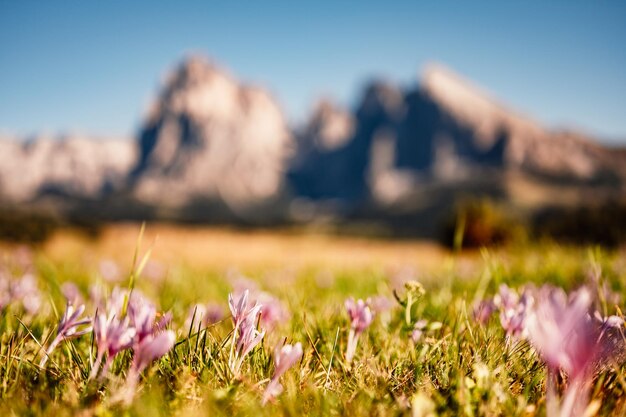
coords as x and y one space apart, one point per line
457 368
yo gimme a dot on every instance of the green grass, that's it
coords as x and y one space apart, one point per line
458 368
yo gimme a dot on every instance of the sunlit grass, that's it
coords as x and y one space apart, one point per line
458 367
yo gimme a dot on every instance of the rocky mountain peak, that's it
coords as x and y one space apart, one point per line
212 147
211 137
472 106
381 98
330 127
69 165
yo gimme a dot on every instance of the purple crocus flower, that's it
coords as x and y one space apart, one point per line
109 270
25 290
483 311
360 313
68 328
284 358
514 310
152 347
567 339
418 330
273 310
113 331
380 304
249 337
112 336
123 321
245 333
154 271
71 292
561 330
143 317
608 322
361 317
240 308
381 307
214 313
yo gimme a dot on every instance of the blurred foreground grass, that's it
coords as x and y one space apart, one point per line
458 367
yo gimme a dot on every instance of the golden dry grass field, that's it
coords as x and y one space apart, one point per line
222 248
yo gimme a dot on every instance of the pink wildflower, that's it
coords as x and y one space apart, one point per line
151 348
380 304
514 310
143 317
418 330
154 271
273 311
615 322
109 270
68 328
360 313
240 309
483 311
284 358
25 290
566 338
245 333
361 317
112 336
71 293
248 338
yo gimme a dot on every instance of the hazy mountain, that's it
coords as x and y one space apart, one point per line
444 132
210 138
214 149
72 166
528 146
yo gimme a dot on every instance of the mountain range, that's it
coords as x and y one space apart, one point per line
214 149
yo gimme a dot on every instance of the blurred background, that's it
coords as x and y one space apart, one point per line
466 124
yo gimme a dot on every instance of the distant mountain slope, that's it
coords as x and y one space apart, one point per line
214 149
71 166
445 131
210 138
529 146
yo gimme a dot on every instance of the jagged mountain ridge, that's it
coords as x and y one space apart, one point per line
72 165
209 137
530 146
209 142
445 130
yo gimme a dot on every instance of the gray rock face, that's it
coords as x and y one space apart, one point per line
72 166
445 131
529 146
329 127
210 138
211 145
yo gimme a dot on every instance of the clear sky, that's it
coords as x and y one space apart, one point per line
92 66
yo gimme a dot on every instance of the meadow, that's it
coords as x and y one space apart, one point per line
188 321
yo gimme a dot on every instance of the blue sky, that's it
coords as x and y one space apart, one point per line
93 66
